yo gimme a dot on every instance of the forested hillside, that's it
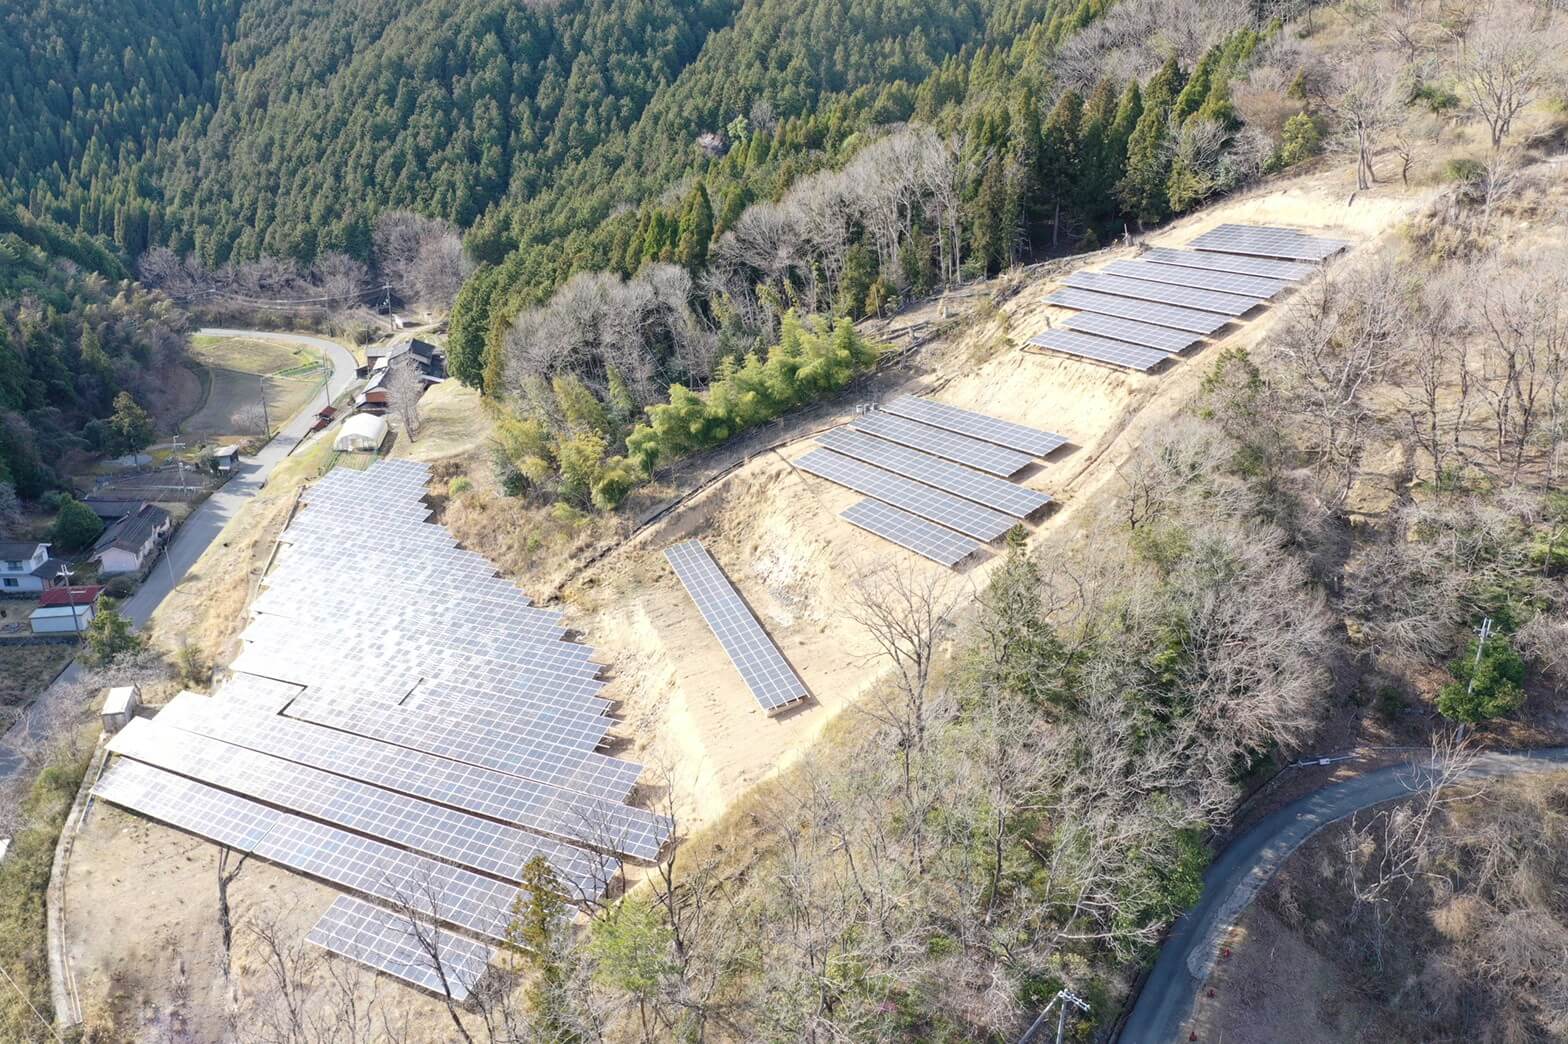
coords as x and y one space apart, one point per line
75 336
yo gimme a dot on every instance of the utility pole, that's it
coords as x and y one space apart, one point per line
1063 998
266 421
1483 633
179 465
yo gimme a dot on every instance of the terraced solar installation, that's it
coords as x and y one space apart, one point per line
1163 293
1160 338
910 531
962 516
404 947
1226 282
402 723
761 665
949 445
1268 241
976 425
1189 319
1009 497
1263 268
1100 349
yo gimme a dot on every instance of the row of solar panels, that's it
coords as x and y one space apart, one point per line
935 476
1139 314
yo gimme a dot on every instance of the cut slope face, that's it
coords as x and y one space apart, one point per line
776 530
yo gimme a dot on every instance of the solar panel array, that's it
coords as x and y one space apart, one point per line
1226 282
1267 241
1162 293
1007 497
1285 271
405 948
1117 353
450 894
1188 319
977 425
1136 313
935 475
1160 338
401 720
956 513
761 665
949 445
926 539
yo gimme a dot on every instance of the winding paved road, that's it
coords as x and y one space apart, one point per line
1163 1007
204 524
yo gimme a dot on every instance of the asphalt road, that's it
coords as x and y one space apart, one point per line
1165 1004
204 524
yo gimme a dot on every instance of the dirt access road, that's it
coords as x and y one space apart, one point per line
205 523
1164 1005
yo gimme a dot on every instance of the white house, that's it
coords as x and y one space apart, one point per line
25 567
130 544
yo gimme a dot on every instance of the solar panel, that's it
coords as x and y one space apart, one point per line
1227 282
1009 497
1160 338
955 513
469 735
406 948
1163 293
450 894
225 818
1264 268
445 833
1100 349
949 445
923 538
1268 241
1141 311
534 806
977 425
760 663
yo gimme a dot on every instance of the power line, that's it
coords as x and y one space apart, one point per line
29 1002
283 302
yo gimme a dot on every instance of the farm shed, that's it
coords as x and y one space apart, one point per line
362 431
119 707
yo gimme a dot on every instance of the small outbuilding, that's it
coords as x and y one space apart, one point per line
363 432
65 610
225 459
119 707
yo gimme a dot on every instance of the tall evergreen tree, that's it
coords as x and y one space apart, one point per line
696 229
1142 188
1059 158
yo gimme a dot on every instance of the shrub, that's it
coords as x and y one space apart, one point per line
458 486
120 587
75 527
1484 686
1302 139
109 635
1465 171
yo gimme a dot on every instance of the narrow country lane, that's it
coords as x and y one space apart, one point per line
204 524
1163 1007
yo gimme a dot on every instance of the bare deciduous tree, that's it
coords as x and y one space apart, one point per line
405 388
1506 60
